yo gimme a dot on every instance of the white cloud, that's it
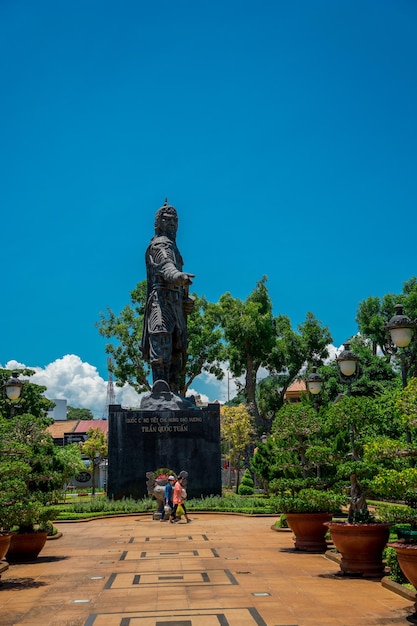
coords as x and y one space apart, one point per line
333 352
79 383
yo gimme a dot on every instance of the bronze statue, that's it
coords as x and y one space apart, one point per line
164 339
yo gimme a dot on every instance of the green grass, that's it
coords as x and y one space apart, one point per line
85 508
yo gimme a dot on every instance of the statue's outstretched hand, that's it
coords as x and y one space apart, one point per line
186 278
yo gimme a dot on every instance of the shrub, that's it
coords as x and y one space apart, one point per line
246 486
244 490
410 498
282 521
311 501
397 514
293 486
394 485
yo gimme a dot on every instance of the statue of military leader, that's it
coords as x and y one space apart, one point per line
164 339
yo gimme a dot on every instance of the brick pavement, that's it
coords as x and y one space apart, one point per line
220 570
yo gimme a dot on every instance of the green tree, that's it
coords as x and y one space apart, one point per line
14 468
265 463
205 348
376 376
95 449
32 470
74 413
295 425
69 462
406 405
292 351
378 426
349 417
125 330
31 467
255 339
236 431
374 312
249 332
371 322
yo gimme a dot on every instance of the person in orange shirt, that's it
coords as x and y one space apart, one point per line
179 498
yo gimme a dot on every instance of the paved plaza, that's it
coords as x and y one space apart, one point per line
220 570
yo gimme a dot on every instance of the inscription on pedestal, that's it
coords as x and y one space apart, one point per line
174 423
143 441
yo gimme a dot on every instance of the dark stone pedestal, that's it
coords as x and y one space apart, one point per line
143 441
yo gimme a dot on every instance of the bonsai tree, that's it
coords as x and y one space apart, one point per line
32 470
311 501
30 473
306 514
361 540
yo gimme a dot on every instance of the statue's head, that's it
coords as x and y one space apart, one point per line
166 220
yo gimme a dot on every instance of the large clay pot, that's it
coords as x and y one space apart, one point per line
25 546
309 530
4 544
407 560
361 547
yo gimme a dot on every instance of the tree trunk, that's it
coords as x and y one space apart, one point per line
250 387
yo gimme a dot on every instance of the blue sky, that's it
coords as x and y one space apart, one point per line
284 133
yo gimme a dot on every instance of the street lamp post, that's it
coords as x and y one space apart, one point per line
13 388
348 364
400 331
348 367
314 384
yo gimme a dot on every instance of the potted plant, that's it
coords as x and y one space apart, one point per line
406 551
404 520
361 539
13 487
306 514
31 473
30 531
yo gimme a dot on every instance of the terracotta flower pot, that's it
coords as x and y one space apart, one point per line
407 560
4 544
361 547
25 546
309 530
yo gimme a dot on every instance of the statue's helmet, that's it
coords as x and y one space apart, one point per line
166 209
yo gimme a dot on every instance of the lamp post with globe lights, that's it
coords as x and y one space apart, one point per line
13 389
314 384
400 331
401 341
348 367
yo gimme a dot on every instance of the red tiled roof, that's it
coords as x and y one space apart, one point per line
84 425
58 429
297 385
